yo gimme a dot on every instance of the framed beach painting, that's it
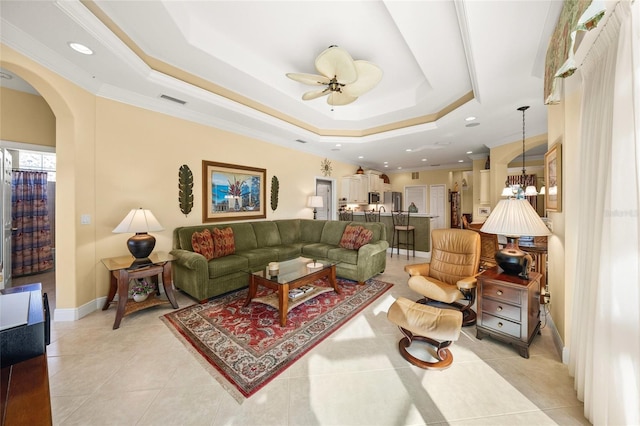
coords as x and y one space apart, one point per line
232 192
553 177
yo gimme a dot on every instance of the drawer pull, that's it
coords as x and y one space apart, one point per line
499 325
499 308
499 292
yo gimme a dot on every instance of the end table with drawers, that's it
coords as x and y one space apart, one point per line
509 308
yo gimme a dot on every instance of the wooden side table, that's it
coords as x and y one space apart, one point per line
509 308
121 273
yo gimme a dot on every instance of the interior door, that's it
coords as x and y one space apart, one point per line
6 218
437 204
324 188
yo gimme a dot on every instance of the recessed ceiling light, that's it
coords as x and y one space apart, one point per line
460 161
408 149
386 165
338 144
386 162
469 152
360 157
80 48
424 159
470 118
399 168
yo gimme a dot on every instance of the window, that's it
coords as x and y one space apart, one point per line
416 195
42 161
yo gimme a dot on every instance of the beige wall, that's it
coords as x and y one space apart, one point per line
112 157
26 118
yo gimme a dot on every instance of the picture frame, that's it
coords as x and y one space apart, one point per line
484 211
232 192
553 178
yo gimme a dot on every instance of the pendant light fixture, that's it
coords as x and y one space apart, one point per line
530 190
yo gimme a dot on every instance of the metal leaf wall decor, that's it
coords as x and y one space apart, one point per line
275 187
185 189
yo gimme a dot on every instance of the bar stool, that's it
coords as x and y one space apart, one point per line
346 215
401 227
372 216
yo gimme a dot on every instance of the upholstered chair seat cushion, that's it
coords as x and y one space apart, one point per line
435 289
424 320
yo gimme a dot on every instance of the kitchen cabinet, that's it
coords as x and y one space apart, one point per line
375 183
355 189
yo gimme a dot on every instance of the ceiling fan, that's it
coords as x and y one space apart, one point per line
345 78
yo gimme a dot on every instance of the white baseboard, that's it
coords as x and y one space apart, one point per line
75 314
563 351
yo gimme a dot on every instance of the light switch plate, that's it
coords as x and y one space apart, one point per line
85 219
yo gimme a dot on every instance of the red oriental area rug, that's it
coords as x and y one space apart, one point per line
247 347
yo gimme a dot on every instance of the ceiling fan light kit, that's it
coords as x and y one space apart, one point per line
345 79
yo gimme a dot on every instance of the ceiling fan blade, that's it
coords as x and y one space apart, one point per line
315 94
368 76
337 98
312 79
336 62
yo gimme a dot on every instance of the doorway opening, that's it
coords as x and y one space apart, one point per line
38 160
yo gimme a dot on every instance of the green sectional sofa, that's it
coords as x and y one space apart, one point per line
258 243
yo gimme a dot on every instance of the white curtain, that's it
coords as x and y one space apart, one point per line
605 342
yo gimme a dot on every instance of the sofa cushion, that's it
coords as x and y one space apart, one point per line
349 237
317 250
311 230
227 265
364 237
259 256
244 235
287 251
223 242
267 234
332 232
202 242
289 231
377 228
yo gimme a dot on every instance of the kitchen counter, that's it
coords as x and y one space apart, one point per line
421 221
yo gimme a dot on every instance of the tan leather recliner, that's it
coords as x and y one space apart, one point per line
450 277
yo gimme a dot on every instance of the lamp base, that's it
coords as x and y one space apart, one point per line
141 245
512 260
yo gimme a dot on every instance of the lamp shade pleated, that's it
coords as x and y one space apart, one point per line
138 220
515 217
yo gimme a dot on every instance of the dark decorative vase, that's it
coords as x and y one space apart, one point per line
513 260
141 245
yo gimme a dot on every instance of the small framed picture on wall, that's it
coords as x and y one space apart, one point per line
553 176
484 211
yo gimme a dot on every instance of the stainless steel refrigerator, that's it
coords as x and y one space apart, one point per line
393 201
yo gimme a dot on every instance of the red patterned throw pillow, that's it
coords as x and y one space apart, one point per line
364 237
349 237
223 242
202 242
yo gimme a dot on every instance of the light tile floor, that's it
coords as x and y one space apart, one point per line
141 374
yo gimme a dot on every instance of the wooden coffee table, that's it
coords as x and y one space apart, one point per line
292 274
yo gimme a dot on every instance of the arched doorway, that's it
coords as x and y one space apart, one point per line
59 95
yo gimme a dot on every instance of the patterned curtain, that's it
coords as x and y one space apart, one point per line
529 180
576 15
31 239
